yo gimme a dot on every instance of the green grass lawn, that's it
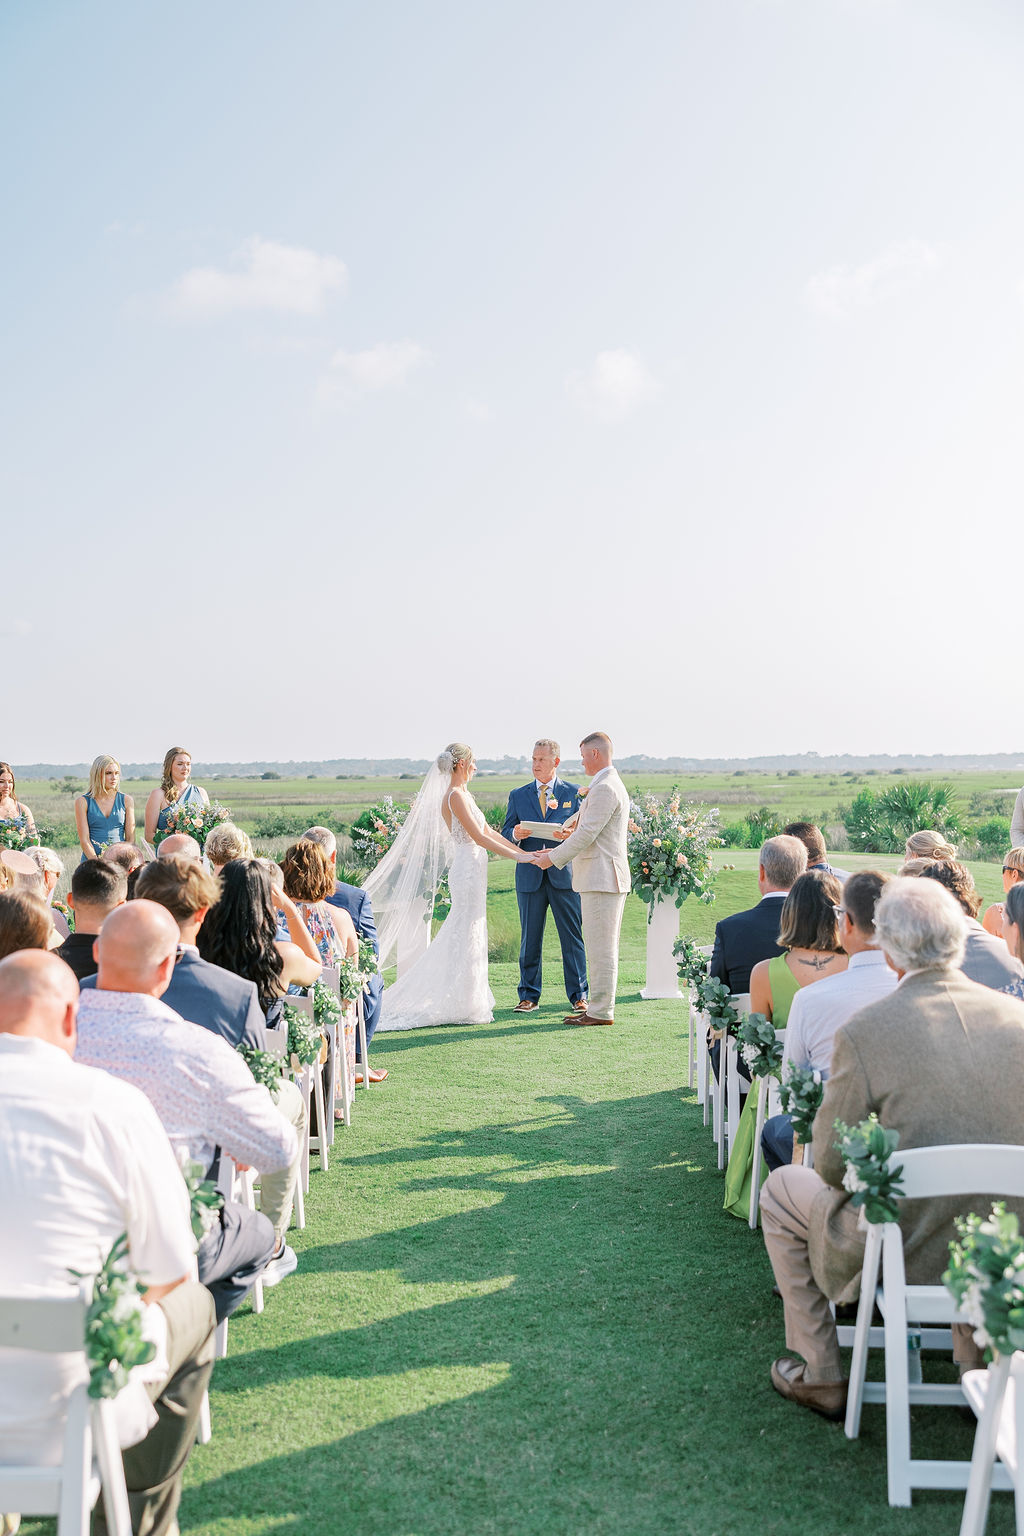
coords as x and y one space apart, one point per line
521 1309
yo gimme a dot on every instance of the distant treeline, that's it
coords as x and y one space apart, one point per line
394 767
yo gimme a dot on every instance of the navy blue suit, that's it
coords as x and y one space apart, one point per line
538 889
354 900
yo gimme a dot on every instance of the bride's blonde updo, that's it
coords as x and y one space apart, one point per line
455 752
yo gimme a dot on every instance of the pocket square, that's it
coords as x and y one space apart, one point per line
566 805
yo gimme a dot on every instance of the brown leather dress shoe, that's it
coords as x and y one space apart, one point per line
584 1018
525 1006
825 1397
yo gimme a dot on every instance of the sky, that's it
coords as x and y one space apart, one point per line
377 376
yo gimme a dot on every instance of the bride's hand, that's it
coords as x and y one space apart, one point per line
519 857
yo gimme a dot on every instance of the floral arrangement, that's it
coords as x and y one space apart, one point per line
715 999
204 1198
759 1047
800 1095
874 1185
264 1066
375 831
14 834
368 964
326 1006
66 913
669 847
692 965
304 1039
197 820
114 1343
986 1278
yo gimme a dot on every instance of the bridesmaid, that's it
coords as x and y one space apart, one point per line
176 789
103 814
11 808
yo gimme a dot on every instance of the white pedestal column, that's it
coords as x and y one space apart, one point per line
662 932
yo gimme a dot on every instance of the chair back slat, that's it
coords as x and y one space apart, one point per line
966 1168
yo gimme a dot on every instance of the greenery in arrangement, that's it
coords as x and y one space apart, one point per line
874 1185
197 820
351 980
304 1040
367 962
326 1005
800 1095
691 964
669 847
882 822
715 999
113 1324
204 1198
265 1067
14 834
376 829
759 1048
986 1278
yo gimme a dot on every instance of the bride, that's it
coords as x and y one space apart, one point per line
443 981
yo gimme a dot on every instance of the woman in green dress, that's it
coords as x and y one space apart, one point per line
809 933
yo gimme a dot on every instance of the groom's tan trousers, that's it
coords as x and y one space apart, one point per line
602 918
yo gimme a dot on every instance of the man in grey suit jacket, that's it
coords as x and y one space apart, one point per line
940 1061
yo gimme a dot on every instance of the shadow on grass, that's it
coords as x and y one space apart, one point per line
629 1357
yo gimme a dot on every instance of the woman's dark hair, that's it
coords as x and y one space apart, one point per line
1014 909
808 918
239 931
307 873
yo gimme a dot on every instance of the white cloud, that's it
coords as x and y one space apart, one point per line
841 290
266 275
614 385
349 375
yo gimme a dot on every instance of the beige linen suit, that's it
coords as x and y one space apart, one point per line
941 1060
600 873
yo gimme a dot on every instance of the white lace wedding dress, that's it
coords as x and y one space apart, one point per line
448 983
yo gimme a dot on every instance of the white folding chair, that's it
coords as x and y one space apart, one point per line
767 1105
361 1037
277 1045
91 1456
997 1397
310 1083
696 1056
330 978
977 1170
729 1081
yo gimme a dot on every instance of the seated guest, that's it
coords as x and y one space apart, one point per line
809 935
83 1158
129 858
1013 874
50 868
240 934
96 889
913 867
355 901
225 843
308 880
986 960
1013 934
940 1060
747 937
218 1000
103 814
814 842
201 1089
180 845
24 923
817 1012
929 845
11 808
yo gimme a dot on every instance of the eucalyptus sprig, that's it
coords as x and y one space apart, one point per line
874 1185
759 1048
986 1278
368 963
113 1324
800 1096
715 999
265 1067
691 964
326 1006
304 1040
351 980
204 1198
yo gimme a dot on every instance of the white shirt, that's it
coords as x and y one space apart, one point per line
821 1008
600 774
83 1158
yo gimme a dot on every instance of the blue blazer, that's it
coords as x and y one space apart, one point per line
215 999
523 805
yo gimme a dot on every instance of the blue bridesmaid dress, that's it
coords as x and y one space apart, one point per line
104 829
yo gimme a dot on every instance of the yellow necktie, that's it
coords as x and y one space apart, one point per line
543 800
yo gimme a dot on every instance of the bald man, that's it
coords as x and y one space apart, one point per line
179 845
201 1089
83 1158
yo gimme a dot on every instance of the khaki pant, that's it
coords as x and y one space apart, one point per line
602 918
277 1190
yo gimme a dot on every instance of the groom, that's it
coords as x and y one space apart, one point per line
600 873
547 798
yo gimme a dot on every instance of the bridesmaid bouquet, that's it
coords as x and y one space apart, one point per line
669 847
376 829
197 821
14 834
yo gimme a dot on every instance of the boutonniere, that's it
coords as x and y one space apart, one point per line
583 793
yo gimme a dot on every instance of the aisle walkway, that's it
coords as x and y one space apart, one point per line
520 1309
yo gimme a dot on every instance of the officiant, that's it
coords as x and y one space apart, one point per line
549 800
